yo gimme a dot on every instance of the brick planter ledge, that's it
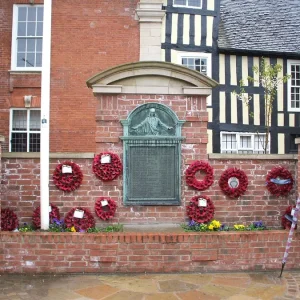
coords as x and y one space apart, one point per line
44 252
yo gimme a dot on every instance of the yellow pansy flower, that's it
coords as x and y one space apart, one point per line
211 227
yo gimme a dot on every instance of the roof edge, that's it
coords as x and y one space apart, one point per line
259 52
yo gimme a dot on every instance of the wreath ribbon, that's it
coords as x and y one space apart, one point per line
279 181
230 191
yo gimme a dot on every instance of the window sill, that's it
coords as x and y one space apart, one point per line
224 156
58 155
24 72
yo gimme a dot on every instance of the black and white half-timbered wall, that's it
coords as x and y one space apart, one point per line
224 39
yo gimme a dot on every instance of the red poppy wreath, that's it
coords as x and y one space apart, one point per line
67 176
82 222
107 166
105 208
233 182
9 220
53 214
279 181
201 209
193 169
286 222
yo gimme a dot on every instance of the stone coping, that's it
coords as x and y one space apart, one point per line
267 233
62 155
71 155
230 156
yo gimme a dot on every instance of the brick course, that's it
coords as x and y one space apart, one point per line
145 252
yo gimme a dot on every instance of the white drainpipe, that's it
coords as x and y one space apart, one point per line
45 115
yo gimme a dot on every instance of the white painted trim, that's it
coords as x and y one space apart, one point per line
45 114
238 135
289 63
14 41
207 56
231 156
187 6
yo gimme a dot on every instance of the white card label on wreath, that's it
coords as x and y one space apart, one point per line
105 159
104 202
66 169
78 213
202 202
50 208
293 211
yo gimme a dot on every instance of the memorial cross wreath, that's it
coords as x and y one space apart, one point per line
193 169
80 224
53 214
67 176
287 222
279 181
233 182
200 214
108 170
9 220
105 208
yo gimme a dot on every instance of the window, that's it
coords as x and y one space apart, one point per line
27 37
294 85
188 3
243 143
25 127
196 61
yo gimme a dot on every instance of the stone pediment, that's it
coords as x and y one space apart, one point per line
151 77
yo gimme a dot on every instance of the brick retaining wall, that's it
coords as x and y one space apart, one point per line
21 193
145 252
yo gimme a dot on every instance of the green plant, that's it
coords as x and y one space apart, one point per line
26 228
110 228
269 80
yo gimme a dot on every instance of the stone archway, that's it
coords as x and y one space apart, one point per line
127 94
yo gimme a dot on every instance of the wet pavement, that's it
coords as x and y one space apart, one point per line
230 286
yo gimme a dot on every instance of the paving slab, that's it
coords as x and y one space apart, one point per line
177 286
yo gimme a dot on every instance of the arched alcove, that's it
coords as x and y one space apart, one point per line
152 131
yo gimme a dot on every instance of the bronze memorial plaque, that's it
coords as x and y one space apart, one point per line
152 173
152 143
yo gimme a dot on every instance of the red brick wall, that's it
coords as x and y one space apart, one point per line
146 252
88 36
21 193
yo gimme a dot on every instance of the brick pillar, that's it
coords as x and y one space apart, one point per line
297 142
2 139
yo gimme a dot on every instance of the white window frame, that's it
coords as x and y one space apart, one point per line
207 56
22 131
186 5
14 40
289 84
238 139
